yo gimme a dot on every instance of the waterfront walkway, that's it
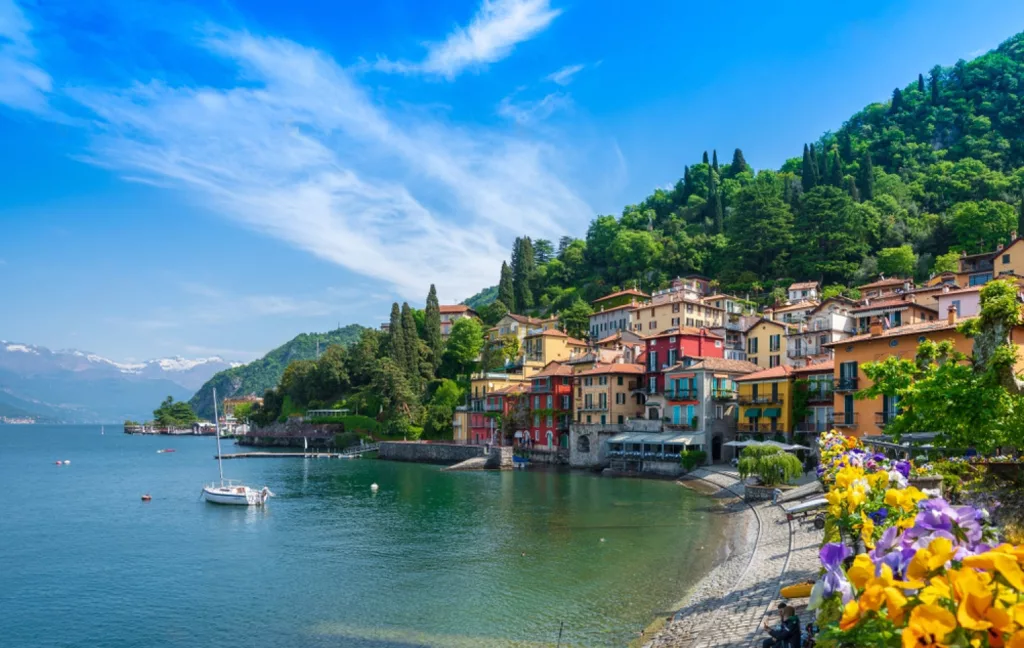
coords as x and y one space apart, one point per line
728 607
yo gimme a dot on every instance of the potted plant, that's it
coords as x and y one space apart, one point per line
772 466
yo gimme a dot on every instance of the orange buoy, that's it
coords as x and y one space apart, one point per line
146 497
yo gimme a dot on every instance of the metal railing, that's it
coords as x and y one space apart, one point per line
760 399
681 394
844 419
752 428
846 383
884 418
815 426
820 394
723 394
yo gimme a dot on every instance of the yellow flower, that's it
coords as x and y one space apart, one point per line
1004 563
878 480
867 531
937 589
854 498
851 615
861 571
905 499
925 561
882 589
848 475
1017 640
928 626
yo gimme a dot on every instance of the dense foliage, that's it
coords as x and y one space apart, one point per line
893 190
260 375
770 464
176 414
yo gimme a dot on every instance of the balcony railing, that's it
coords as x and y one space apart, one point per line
681 394
492 407
818 395
760 399
844 419
723 394
756 428
846 383
593 407
815 427
884 418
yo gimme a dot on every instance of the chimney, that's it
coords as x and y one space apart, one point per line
1013 236
906 286
945 288
875 328
951 314
912 298
999 248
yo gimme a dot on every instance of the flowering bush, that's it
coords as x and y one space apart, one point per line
929 574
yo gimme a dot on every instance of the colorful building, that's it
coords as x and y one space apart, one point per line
620 298
607 393
804 291
611 320
766 401
791 313
666 350
550 404
766 343
670 310
885 287
544 346
480 424
817 382
499 405
453 313
831 321
893 312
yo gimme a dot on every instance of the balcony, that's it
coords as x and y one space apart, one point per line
884 418
821 395
756 428
846 383
723 394
593 407
492 407
760 399
815 427
844 419
681 394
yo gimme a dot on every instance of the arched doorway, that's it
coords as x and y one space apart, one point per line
583 444
716 449
550 437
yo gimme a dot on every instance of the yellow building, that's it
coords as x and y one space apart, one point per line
460 424
604 393
766 343
766 401
672 310
977 269
549 345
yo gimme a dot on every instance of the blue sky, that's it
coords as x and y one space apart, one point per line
205 178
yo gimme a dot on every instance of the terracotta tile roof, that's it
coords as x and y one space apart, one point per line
455 308
628 291
764 320
782 371
548 333
800 305
720 364
683 330
803 285
882 283
523 319
518 388
837 299
889 303
554 368
906 329
614 368
615 308
827 365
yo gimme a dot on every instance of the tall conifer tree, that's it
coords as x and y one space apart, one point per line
714 160
920 83
412 342
867 177
506 291
687 184
897 101
523 271
836 179
432 327
739 165
705 158
851 188
714 204
808 172
1020 218
933 80
397 349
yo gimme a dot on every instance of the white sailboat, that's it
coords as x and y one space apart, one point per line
230 491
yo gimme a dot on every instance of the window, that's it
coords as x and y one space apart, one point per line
536 402
775 342
565 380
588 381
675 321
773 361
672 339
689 308
652 363
848 409
675 308
1006 258
603 380
565 402
718 344
602 419
956 304
752 345
602 401
549 401
588 418
672 355
620 419
719 412
549 420
753 360
689 321
775 392
652 324
536 420
619 380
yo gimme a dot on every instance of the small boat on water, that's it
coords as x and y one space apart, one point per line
230 491
165 450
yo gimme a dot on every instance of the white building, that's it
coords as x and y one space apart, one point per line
831 321
804 291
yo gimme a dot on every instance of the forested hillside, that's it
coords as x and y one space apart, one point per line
263 374
937 168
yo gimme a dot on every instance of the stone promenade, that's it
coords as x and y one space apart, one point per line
729 606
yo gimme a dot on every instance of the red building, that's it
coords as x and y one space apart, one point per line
550 401
667 349
485 426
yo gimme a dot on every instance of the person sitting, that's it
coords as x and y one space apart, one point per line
787 635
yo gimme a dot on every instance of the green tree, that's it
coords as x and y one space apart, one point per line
704 159
739 164
897 101
491 313
851 188
506 291
398 400
361 360
635 254
808 172
244 411
770 464
523 270
831 236
714 160
543 251
867 177
440 410
762 227
897 261
173 413
432 327
949 262
980 226
933 80
920 83
576 319
1020 217
509 348
411 339
330 377
714 205
463 348
836 170
397 348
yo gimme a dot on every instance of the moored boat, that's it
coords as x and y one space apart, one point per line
229 491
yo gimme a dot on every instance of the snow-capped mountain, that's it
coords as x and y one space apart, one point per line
87 386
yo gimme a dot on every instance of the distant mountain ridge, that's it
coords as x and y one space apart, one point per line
73 386
260 375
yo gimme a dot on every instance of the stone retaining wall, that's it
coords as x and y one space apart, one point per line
435 453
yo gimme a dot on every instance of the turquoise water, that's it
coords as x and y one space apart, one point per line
432 559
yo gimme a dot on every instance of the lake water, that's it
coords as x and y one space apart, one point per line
432 559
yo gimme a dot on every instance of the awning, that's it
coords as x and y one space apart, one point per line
519 434
683 439
772 412
620 438
752 412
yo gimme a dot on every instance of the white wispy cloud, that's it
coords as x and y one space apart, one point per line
23 84
529 112
298 151
564 76
492 34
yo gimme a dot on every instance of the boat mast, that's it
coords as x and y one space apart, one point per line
216 421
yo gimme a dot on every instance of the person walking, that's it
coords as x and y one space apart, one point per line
787 635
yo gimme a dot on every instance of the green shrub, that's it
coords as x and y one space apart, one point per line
352 422
770 464
346 440
690 459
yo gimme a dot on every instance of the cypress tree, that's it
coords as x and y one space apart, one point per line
396 338
432 326
845 145
523 270
714 205
411 340
920 83
808 172
851 188
836 179
687 184
739 165
506 291
705 159
897 101
933 80
714 160
867 177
